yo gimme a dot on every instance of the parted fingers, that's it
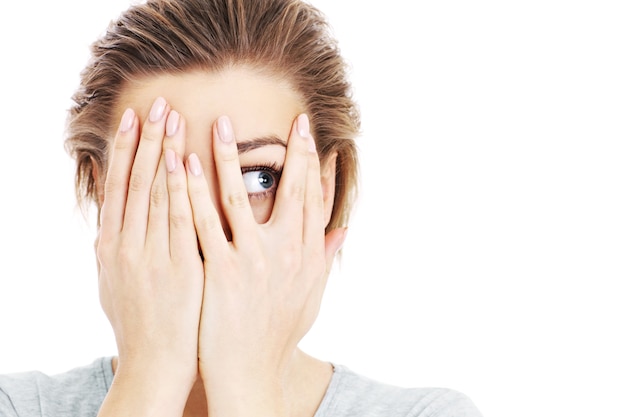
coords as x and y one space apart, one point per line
144 171
233 193
182 234
205 216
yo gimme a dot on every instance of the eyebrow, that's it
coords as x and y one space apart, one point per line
249 145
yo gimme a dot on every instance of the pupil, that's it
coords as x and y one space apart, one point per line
266 180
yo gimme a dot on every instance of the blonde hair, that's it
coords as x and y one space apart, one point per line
290 38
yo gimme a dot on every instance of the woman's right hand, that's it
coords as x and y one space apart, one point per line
150 271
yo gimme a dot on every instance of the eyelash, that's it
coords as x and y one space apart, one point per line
273 168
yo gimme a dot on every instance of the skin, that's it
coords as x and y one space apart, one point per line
214 335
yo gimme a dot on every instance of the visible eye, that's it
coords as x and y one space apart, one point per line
258 181
261 180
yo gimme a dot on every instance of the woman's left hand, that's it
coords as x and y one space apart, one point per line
264 287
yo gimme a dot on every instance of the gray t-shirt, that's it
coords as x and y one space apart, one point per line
81 391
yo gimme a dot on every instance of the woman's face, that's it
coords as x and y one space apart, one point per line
262 110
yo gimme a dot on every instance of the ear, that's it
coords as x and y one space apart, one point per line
328 171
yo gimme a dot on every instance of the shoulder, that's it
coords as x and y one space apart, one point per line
350 394
78 392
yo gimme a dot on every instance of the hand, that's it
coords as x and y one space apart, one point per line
150 271
263 289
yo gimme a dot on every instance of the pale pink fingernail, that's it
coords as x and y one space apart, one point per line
194 164
225 129
128 120
303 126
170 160
173 120
158 109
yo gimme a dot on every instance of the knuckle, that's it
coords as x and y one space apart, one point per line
229 156
303 152
138 182
237 199
314 161
296 192
122 143
176 185
114 253
179 220
194 188
151 135
112 184
208 223
158 195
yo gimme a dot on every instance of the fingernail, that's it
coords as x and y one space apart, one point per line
312 145
225 129
173 120
303 127
128 120
194 165
170 160
158 109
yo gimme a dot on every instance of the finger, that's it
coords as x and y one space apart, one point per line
233 193
116 183
160 212
182 239
144 169
157 232
313 227
206 220
290 196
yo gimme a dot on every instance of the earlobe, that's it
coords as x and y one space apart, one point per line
328 172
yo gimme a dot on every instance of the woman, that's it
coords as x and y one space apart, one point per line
216 139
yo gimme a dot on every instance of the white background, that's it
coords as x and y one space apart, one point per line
487 251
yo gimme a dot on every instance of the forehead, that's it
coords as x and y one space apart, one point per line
257 103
